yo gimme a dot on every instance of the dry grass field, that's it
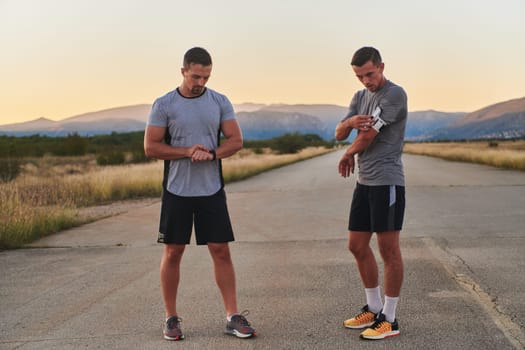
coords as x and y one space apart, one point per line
49 194
501 154
52 193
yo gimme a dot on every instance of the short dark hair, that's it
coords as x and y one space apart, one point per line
196 55
366 54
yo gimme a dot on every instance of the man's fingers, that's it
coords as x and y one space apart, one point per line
343 168
201 155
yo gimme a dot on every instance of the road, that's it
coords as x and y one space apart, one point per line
97 286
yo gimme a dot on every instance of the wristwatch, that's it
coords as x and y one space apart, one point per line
213 154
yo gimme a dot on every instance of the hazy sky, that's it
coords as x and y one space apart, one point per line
60 58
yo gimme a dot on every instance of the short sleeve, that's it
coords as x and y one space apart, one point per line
394 105
352 109
157 116
227 112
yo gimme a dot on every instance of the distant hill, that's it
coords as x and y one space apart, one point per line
277 119
258 121
503 120
495 111
507 126
421 124
248 107
120 119
267 124
261 121
136 112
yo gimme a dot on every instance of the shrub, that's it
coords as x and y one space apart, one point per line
72 145
288 143
111 158
9 169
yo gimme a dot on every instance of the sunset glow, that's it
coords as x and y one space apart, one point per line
61 58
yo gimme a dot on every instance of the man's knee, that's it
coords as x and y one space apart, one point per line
219 251
173 252
388 244
354 248
358 244
390 254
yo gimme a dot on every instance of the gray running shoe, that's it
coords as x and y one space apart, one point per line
172 329
240 327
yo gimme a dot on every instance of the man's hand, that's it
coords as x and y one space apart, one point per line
361 122
346 165
199 153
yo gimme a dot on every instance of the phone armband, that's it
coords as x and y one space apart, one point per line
377 122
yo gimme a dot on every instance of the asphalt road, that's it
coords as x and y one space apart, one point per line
97 286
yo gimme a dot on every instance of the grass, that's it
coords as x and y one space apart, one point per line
245 164
501 154
47 196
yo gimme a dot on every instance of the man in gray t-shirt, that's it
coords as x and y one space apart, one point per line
379 114
184 129
189 122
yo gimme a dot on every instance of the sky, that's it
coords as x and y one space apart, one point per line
60 58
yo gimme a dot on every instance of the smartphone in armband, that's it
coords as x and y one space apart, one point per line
377 122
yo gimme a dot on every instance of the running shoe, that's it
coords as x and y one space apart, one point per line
365 319
239 326
381 329
172 329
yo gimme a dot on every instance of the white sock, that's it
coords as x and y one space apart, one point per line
373 299
389 310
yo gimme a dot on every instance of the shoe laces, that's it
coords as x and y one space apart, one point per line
362 315
242 318
381 324
173 322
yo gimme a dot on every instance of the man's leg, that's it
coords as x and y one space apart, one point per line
237 324
224 275
391 253
390 250
359 246
386 324
170 275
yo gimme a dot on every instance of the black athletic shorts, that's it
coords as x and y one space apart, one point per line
377 208
208 214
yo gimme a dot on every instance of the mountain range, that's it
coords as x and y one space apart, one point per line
264 121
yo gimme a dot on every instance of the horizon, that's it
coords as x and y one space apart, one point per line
62 59
234 105
244 103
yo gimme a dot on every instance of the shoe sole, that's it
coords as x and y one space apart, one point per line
382 336
180 337
239 334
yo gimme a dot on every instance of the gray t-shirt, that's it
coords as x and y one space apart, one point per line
191 121
380 164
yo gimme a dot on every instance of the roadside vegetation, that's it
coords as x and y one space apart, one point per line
508 154
42 192
46 182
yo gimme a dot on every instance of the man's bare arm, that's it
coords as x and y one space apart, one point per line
154 146
361 142
359 121
231 145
